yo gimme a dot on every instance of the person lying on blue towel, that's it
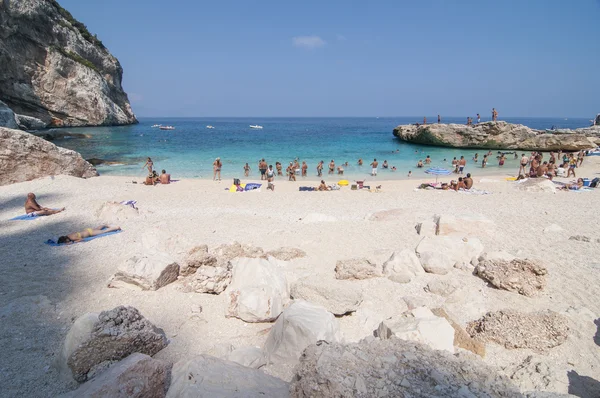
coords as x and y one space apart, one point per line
87 233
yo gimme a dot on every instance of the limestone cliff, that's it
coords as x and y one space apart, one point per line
498 135
24 157
54 70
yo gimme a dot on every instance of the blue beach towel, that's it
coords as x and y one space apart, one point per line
29 216
52 242
252 186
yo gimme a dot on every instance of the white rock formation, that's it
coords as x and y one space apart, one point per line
437 251
357 268
252 357
206 376
258 291
402 266
419 325
338 297
146 272
300 325
116 213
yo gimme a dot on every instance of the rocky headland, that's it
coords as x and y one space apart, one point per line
499 135
54 72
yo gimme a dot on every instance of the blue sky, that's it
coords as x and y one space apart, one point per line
351 58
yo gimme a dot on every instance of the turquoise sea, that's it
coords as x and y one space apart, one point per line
190 149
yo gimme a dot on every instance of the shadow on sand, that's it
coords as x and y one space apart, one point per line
597 335
583 386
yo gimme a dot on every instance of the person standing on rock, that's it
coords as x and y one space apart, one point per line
478 118
424 120
439 119
494 114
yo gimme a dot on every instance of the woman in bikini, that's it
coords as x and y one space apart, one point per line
217 168
88 232
149 164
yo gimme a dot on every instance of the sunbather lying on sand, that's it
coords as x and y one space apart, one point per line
88 232
32 206
574 186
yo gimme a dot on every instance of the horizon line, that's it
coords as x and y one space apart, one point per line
354 117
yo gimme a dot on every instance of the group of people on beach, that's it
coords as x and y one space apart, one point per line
153 177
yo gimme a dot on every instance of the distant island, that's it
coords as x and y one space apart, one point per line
499 135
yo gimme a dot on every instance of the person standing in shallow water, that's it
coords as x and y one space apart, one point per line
149 164
217 169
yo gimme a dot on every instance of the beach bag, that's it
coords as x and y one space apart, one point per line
236 181
594 183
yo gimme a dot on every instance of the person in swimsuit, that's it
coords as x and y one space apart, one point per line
279 169
320 169
149 164
217 168
468 181
331 166
501 161
385 164
262 167
428 160
478 118
164 178
246 170
291 172
270 178
32 207
374 167
360 162
461 164
88 232
304 169
572 165
476 157
439 119
484 161
574 187
420 164
323 186
340 170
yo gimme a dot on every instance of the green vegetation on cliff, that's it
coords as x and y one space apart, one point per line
75 57
78 25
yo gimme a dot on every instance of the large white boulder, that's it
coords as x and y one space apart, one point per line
453 248
402 266
536 185
258 291
300 325
137 376
146 272
338 297
206 376
420 325
436 262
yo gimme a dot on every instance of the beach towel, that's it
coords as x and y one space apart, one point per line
252 186
29 216
52 242
129 203
307 189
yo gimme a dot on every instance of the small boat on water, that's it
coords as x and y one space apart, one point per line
256 126
210 127
155 125
166 127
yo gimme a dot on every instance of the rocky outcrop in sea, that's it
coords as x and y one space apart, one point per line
54 72
499 135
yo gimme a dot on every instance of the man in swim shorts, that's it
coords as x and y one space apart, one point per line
331 166
374 167
262 166
461 164
32 207
468 181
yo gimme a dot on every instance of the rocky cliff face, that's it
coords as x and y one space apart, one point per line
498 135
24 156
54 70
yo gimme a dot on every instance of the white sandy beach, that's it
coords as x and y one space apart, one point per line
73 279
